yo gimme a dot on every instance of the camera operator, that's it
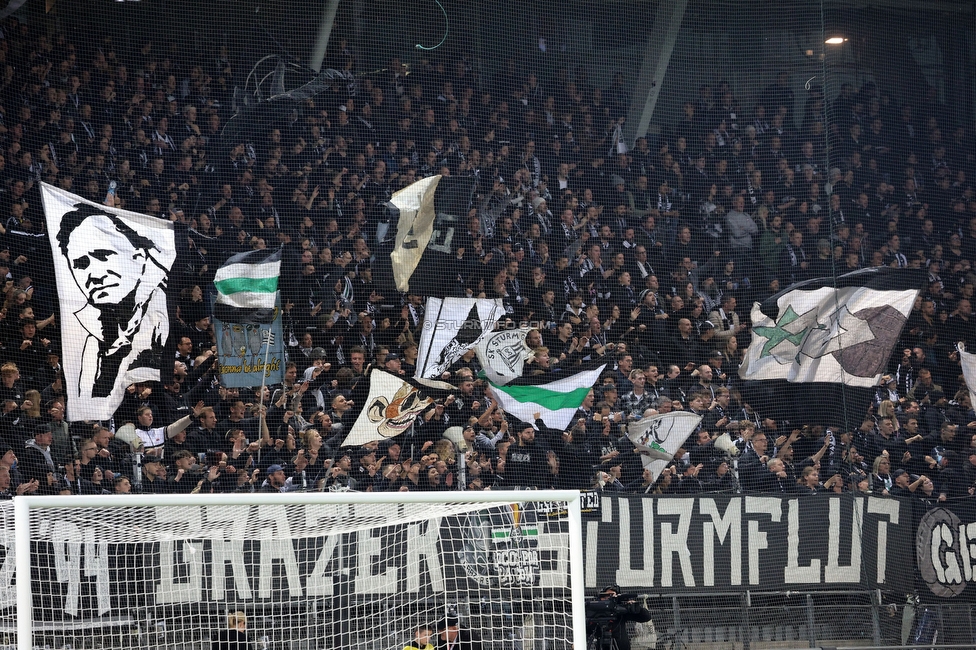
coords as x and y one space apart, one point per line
607 616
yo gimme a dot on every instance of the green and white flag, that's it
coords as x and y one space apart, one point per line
247 285
554 395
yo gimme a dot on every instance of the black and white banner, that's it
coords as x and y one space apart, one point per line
675 544
452 326
738 543
112 268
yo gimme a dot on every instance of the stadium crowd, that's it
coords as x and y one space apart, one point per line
649 257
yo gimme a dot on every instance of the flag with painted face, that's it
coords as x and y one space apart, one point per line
840 330
113 269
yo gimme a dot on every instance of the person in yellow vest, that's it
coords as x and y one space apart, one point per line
421 639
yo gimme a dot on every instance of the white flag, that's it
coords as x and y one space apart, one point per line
393 404
968 362
503 354
452 326
831 330
111 267
657 437
414 229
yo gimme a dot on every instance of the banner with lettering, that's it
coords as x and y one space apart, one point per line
241 349
204 555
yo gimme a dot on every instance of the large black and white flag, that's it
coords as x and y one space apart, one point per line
414 229
838 330
112 268
452 326
418 252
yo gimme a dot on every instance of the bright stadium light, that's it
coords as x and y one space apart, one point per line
835 40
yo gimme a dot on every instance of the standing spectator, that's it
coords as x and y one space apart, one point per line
36 462
726 320
526 464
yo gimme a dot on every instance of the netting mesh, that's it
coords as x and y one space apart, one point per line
641 182
303 575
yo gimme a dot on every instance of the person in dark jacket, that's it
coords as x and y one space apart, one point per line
37 464
450 636
608 615
527 464
234 637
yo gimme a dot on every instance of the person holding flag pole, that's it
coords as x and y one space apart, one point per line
268 340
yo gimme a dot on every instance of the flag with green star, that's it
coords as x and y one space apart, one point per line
657 437
831 330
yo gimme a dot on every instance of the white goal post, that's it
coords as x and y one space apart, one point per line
309 570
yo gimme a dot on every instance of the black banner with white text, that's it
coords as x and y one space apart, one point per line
644 544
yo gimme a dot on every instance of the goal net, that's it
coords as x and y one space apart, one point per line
307 571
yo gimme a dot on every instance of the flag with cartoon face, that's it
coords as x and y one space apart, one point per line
394 402
839 330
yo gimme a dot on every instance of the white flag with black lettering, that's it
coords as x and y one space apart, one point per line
503 354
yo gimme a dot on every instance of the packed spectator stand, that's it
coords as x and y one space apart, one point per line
650 258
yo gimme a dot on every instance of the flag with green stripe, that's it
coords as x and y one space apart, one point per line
555 395
247 285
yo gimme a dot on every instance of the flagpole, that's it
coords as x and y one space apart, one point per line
264 368
430 347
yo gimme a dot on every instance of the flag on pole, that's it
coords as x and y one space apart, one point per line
394 402
247 286
554 395
839 330
503 354
452 326
247 319
657 437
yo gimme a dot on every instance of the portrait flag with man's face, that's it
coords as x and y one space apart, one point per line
112 269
